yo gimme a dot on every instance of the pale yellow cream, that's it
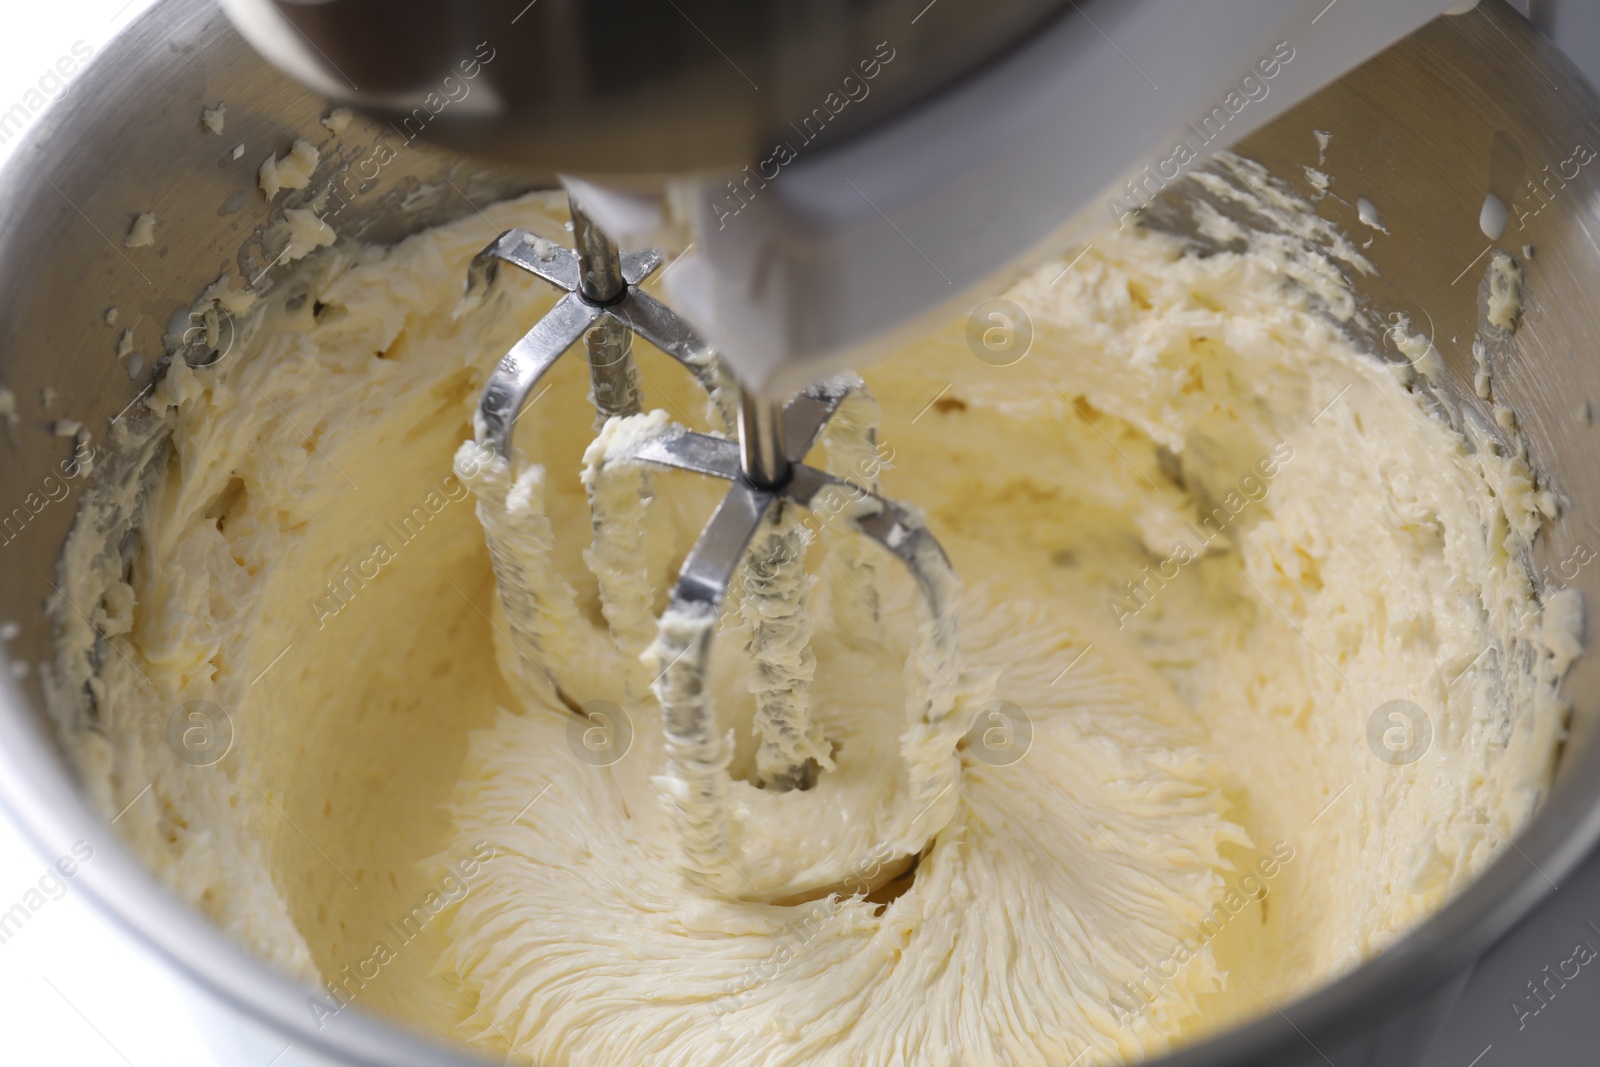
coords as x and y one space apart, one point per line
1216 561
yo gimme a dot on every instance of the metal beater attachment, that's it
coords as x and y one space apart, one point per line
770 487
603 305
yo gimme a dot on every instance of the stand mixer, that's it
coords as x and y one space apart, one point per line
1348 1018
981 130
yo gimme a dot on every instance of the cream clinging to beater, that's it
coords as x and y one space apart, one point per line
723 843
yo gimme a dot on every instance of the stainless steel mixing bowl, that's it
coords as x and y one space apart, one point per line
1471 105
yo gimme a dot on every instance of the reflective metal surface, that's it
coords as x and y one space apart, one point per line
599 281
791 431
633 86
1472 104
763 453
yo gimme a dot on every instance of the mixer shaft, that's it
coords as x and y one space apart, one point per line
763 453
613 375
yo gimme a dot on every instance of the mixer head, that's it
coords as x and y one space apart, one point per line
849 170
631 89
